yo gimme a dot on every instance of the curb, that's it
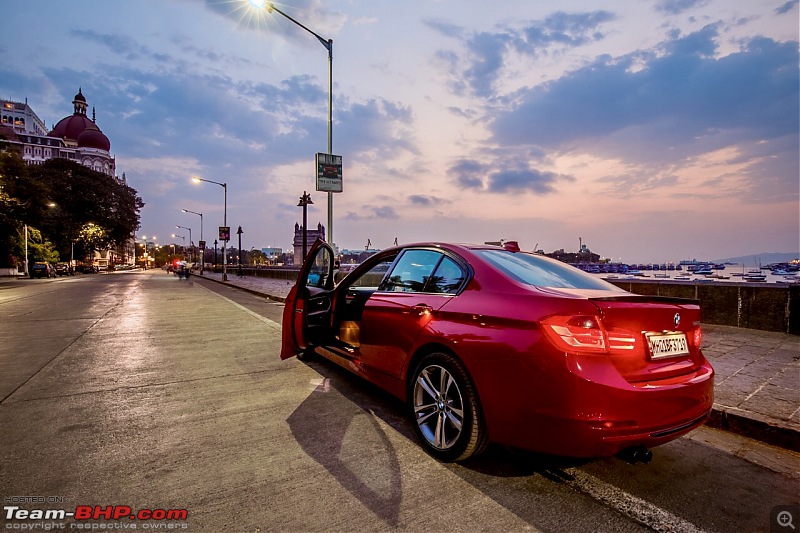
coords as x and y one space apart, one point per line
245 289
733 420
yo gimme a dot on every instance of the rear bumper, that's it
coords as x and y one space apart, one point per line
598 414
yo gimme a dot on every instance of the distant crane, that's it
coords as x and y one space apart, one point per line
369 243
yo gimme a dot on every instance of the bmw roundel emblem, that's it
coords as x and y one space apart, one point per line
677 319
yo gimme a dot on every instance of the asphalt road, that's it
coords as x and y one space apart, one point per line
144 391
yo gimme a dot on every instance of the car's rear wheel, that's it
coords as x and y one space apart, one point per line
445 408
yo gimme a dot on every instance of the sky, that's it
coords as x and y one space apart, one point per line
651 131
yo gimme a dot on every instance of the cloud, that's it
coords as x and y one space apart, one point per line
491 177
635 184
469 173
676 7
119 44
426 201
376 126
173 109
485 53
369 212
683 100
525 180
786 7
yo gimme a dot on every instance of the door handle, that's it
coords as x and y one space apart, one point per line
423 309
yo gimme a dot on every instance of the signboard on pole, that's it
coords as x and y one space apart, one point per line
329 172
202 245
224 233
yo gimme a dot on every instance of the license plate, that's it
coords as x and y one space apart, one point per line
664 345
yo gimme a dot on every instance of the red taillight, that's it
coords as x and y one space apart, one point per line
584 334
697 338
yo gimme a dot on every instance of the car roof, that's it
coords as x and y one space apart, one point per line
448 245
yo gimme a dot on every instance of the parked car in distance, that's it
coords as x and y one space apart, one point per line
64 269
42 270
491 344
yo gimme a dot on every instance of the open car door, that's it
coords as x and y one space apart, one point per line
306 316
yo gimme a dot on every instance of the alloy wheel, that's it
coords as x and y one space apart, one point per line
438 407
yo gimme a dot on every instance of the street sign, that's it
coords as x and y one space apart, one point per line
329 172
202 245
224 233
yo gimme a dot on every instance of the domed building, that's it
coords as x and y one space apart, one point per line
75 137
79 133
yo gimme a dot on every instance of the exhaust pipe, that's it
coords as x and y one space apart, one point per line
637 454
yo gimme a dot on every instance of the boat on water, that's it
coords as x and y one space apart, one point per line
754 277
703 272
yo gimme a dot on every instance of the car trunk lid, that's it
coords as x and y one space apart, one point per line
651 337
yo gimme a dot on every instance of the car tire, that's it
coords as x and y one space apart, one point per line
445 409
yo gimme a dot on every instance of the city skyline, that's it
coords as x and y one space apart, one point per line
654 131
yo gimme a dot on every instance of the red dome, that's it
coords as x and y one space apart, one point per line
94 138
72 126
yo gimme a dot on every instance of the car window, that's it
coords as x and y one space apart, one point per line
543 271
447 278
371 279
318 275
412 271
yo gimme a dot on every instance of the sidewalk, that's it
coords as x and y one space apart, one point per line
757 390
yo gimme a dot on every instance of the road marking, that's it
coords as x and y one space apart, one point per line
629 505
270 323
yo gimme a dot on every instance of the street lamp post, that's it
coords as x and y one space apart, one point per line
191 242
328 44
203 250
215 256
239 232
305 201
224 223
183 250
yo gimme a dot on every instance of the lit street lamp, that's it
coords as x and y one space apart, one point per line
328 44
203 249
145 257
183 250
224 222
191 242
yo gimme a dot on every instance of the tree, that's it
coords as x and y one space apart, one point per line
84 196
22 201
38 248
65 201
258 257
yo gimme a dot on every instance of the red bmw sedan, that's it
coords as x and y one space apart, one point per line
490 344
